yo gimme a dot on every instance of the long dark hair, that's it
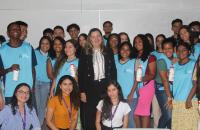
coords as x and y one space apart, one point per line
40 42
147 48
74 95
52 53
14 102
130 47
63 58
107 104
191 37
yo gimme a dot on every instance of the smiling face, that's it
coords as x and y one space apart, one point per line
70 50
57 46
23 94
182 52
66 87
112 92
73 32
45 45
14 31
138 44
168 50
123 38
113 42
96 39
185 35
125 51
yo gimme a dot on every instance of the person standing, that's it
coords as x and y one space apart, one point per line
96 68
18 66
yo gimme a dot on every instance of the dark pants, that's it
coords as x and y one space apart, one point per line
165 119
94 94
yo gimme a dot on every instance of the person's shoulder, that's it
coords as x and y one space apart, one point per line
7 109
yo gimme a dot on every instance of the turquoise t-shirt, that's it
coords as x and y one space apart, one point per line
183 80
65 70
23 55
125 76
40 68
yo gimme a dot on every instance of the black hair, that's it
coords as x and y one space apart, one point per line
82 35
22 23
194 23
74 95
130 47
40 42
59 27
160 35
149 35
124 33
176 21
185 44
47 30
11 24
74 25
147 48
2 39
168 41
107 22
107 104
14 102
110 36
52 53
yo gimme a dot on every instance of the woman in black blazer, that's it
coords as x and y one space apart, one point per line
96 68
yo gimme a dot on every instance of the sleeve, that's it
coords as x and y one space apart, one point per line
35 120
152 58
34 60
4 114
51 103
127 108
100 105
161 65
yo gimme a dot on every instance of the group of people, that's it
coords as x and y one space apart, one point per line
100 82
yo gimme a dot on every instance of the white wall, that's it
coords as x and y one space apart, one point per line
131 16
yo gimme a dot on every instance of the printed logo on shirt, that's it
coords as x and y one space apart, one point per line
128 70
23 56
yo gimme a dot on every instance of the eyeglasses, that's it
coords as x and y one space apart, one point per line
22 92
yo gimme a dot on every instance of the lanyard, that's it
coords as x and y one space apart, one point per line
23 119
68 109
113 114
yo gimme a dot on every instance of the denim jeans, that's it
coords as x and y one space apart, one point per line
165 119
41 96
132 105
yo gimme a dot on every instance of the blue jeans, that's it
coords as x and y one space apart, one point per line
165 119
41 96
132 105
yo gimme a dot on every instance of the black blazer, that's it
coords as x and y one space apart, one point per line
86 70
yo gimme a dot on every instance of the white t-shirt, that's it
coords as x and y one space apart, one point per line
122 110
